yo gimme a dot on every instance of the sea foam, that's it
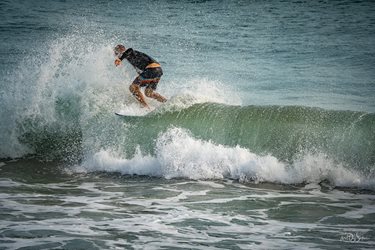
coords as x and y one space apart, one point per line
181 155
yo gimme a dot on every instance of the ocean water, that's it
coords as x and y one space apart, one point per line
267 140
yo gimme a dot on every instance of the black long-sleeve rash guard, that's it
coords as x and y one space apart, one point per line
138 59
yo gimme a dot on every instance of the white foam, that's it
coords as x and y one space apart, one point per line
199 90
109 161
133 109
313 168
180 155
61 75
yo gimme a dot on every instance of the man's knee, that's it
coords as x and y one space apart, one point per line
148 92
134 88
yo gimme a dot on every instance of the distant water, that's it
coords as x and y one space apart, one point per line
267 140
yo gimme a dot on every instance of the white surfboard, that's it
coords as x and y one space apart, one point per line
129 115
134 110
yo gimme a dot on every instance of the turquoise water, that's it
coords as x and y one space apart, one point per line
267 140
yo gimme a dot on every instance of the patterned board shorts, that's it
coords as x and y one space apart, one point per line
150 77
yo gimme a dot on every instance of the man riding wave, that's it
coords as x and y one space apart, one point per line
149 71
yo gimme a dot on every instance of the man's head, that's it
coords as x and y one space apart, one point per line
119 50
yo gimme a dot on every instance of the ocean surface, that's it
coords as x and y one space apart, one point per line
267 140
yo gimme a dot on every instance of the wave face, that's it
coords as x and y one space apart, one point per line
285 132
214 141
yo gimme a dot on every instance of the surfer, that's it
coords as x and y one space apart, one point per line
148 69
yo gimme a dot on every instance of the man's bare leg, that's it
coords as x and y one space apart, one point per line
135 90
149 92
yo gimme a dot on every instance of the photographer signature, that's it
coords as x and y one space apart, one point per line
353 237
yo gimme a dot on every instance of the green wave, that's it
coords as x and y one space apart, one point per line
286 132
283 131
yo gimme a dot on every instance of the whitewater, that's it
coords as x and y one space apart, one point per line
267 138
